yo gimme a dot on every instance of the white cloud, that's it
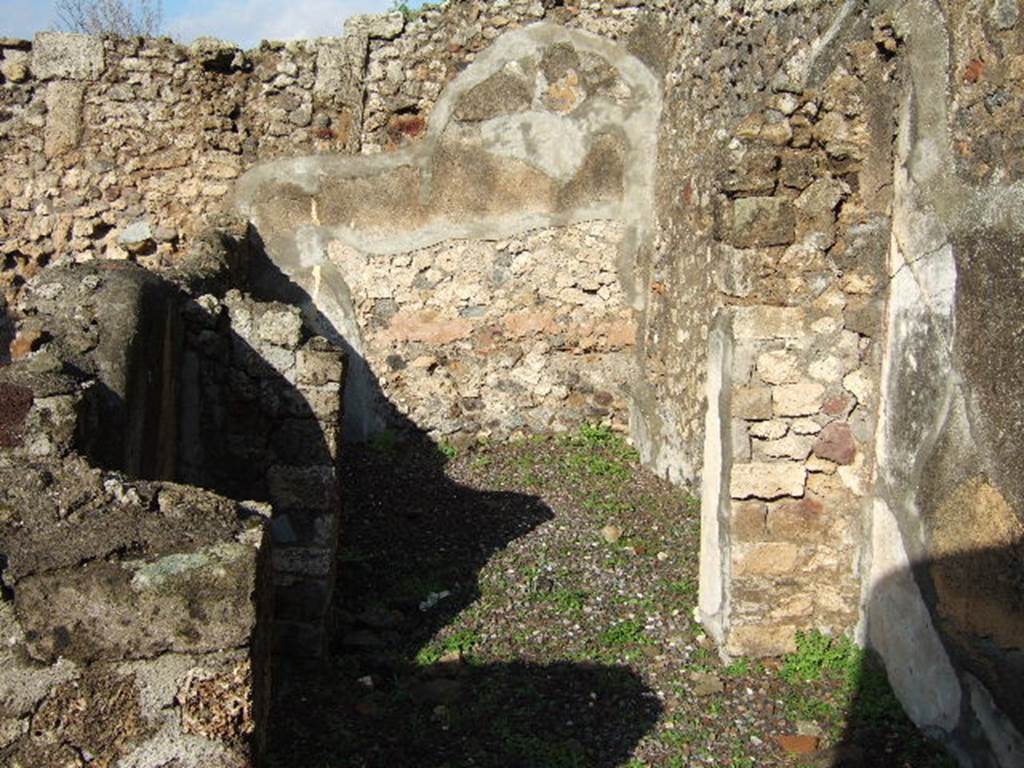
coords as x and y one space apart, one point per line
248 23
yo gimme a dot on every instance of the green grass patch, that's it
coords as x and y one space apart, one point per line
819 655
568 600
463 641
624 634
738 668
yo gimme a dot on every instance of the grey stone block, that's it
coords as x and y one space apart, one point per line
67 55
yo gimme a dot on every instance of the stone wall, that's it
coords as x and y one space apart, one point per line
853 442
943 593
778 242
117 148
801 237
260 417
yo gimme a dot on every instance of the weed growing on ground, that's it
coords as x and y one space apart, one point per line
463 641
817 654
738 668
569 601
623 634
385 442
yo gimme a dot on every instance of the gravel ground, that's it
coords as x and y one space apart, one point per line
530 604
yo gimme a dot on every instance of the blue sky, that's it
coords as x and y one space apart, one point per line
243 21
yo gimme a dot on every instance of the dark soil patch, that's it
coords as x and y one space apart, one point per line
15 404
530 605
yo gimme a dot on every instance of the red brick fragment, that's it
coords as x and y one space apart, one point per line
836 443
797 744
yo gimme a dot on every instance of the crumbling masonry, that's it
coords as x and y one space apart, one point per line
778 243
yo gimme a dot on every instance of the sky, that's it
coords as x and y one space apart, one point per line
245 22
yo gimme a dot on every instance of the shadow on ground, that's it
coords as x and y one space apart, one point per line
391 697
412 546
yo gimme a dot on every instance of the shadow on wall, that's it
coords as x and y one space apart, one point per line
944 659
938 684
951 629
6 332
408 532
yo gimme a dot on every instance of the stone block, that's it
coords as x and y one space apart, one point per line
802 399
281 326
789 447
748 521
763 322
799 521
67 55
319 366
736 268
325 402
190 602
63 117
14 69
859 385
303 488
300 442
773 558
339 69
762 480
378 26
836 443
769 430
311 562
759 222
820 199
753 403
752 173
761 639
778 366
822 466
502 93
827 368
806 427
215 55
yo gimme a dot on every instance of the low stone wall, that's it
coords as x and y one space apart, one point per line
130 627
260 417
132 631
159 605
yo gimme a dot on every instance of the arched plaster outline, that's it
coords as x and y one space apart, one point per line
301 251
639 125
